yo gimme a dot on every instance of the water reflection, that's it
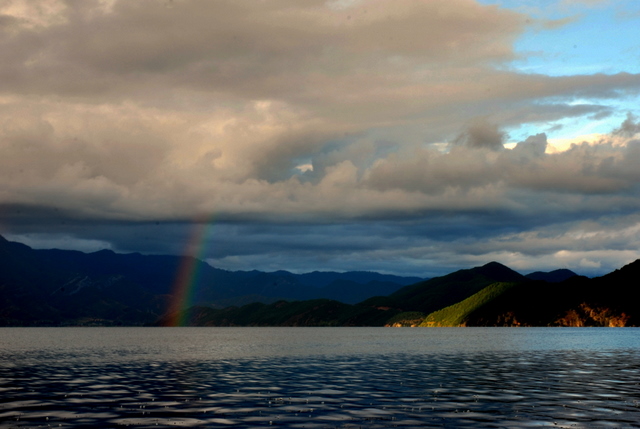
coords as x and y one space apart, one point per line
485 389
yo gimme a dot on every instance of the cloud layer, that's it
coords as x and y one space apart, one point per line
339 119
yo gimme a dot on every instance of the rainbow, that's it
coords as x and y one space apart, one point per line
187 275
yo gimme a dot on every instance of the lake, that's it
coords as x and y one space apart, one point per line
320 377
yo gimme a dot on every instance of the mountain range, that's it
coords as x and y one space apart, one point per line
59 287
54 287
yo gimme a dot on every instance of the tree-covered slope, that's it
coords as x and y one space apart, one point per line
56 287
36 290
610 300
457 314
318 312
491 295
437 293
555 276
62 287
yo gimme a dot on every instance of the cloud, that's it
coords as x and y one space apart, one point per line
33 15
584 2
533 147
241 164
481 134
65 242
119 113
505 177
267 50
628 128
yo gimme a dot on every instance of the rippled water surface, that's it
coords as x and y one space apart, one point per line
319 377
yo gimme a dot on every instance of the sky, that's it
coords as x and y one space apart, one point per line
401 136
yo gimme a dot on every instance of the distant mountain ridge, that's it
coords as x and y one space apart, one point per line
59 287
415 300
490 295
62 286
555 276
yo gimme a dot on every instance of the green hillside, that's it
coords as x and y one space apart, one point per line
60 288
457 314
440 292
406 319
610 300
491 295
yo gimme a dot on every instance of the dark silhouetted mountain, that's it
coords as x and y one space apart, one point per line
578 301
491 295
52 287
325 278
408 302
58 287
37 290
433 294
555 276
316 312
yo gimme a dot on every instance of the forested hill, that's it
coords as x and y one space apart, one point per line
490 295
59 287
